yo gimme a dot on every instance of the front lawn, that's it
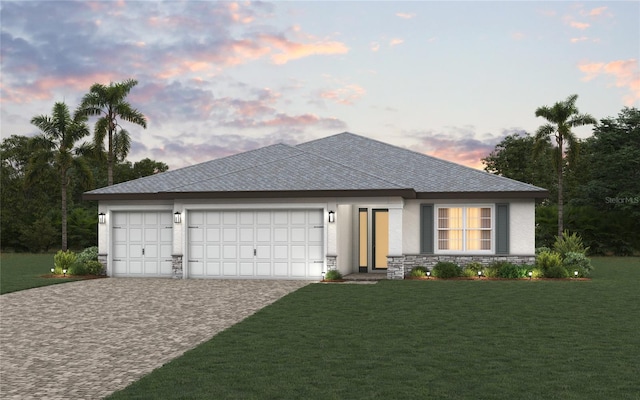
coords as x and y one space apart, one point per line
417 339
19 271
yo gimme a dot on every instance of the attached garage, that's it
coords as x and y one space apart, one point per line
263 244
142 243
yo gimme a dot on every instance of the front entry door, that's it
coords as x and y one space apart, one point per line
380 239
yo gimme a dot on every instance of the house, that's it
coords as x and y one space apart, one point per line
343 202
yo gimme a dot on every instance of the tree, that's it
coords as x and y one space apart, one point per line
56 146
109 102
561 117
513 158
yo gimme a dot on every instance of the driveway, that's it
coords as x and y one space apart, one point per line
87 339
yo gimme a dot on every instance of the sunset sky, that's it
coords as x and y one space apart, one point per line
449 79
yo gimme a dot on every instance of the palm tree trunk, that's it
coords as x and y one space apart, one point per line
560 184
110 158
63 198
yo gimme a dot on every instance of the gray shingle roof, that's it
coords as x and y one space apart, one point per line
342 162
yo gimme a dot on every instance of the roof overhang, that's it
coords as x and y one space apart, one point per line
404 193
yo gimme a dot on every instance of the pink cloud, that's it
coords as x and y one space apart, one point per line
517 36
374 46
290 50
596 12
395 42
405 15
579 39
346 95
579 25
625 73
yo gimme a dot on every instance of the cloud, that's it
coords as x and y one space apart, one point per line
595 12
578 39
290 50
625 73
346 95
405 15
579 25
395 42
517 36
374 46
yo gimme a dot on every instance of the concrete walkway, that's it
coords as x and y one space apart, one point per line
87 339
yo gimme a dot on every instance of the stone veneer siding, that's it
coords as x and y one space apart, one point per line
102 258
332 262
176 266
400 266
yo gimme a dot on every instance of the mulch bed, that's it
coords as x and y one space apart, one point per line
73 276
464 278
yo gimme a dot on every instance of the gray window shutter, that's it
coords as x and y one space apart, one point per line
426 229
502 228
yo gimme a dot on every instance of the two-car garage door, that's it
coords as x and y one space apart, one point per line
259 244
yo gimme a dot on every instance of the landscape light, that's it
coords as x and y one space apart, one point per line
52 270
530 274
64 272
323 276
479 274
575 273
428 274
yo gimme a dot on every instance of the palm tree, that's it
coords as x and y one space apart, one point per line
56 146
109 103
562 116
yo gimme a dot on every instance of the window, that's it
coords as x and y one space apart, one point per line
464 229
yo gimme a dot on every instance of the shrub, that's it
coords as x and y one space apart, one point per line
418 272
542 249
445 270
78 268
577 262
333 275
93 267
556 271
63 260
569 244
548 259
88 254
511 271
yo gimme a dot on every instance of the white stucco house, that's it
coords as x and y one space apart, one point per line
293 212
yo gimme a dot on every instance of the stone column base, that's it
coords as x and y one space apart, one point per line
176 267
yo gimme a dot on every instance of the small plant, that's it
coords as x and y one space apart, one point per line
542 249
511 271
577 262
78 268
446 269
94 267
569 244
63 260
88 254
547 260
556 271
333 275
418 272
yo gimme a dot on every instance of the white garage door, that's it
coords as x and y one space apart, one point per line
269 244
142 243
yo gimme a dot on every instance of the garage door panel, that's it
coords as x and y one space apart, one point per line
281 269
246 251
280 235
213 218
281 252
151 250
229 218
263 252
196 218
135 250
196 235
196 268
213 234
246 218
135 234
263 235
280 218
246 268
151 267
213 251
120 251
298 217
135 267
229 252
229 235
166 235
298 252
246 234
298 235
230 268
263 217
166 267
314 234
119 267
298 269
197 251
315 253
119 234
213 268
136 218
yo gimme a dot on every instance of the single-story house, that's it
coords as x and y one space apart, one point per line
343 202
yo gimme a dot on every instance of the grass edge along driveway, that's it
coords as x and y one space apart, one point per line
416 339
21 271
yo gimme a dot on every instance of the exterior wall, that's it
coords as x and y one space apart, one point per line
522 227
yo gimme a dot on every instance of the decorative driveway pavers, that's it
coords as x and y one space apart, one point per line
87 339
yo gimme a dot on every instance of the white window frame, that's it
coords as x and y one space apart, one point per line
464 207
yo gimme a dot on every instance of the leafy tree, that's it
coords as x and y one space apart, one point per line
109 102
513 158
561 117
56 146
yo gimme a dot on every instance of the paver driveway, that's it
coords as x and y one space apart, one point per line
87 339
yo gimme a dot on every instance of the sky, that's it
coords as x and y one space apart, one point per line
448 79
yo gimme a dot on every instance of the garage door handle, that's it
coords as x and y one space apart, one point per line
193 260
255 252
318 262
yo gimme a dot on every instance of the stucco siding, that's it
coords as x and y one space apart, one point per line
522 227
345 239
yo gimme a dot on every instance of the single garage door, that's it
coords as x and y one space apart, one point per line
142 243
259 244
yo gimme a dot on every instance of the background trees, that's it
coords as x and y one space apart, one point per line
601 186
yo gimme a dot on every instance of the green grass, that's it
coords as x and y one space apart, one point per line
419 339
20 271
